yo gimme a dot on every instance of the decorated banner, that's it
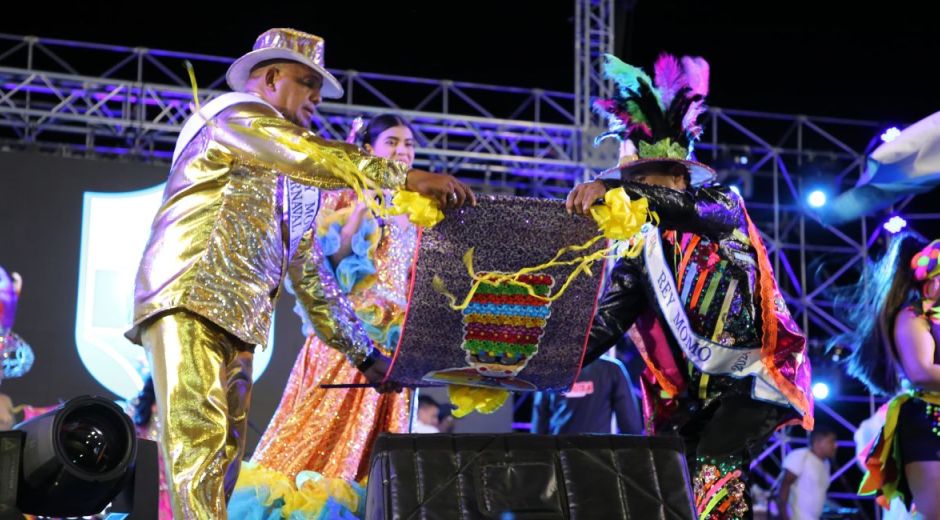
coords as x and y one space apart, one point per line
506 335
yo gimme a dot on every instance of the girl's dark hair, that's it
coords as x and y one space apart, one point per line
143 408
381 123
871 306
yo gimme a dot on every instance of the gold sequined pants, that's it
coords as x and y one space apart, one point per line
202 381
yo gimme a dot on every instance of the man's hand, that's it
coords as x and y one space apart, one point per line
376 373
443 188
583 196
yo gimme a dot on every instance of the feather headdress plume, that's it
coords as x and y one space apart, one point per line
660 114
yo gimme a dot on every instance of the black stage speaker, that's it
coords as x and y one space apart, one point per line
528 477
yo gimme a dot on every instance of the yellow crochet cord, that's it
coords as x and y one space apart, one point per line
618 218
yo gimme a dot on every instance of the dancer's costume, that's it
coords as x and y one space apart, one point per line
16 356
911 432
726 363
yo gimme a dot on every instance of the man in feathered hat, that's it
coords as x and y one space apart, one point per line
726 363
235 222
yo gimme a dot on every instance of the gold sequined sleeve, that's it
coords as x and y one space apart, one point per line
326 307
255 134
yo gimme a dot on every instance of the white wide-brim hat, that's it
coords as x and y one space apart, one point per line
284 44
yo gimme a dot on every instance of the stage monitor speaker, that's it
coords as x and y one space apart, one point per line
528 477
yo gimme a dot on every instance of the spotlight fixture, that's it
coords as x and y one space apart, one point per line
76 460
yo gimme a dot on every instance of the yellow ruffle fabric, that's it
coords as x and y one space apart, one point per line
469 399
265 493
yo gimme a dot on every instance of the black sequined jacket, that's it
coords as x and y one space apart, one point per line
707 247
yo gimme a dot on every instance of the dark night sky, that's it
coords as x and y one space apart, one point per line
792 57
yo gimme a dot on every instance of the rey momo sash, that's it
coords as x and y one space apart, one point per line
707 356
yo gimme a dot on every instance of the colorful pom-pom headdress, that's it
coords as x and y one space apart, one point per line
659 115
926 263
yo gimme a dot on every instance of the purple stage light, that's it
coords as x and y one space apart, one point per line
890 134
895 224
816 199
821 391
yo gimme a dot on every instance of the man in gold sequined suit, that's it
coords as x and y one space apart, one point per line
235 221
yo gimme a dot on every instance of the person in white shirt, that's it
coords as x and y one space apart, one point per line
427 420
806 477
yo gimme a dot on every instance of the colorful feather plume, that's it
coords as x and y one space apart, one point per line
669 77
643 109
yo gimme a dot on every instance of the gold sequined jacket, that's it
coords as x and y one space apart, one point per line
220 242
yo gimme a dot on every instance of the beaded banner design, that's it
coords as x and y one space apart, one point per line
505 338
502 328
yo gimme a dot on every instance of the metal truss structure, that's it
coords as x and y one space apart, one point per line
594 37
85 99
91 99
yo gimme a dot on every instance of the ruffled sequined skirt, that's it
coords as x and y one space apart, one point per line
328 431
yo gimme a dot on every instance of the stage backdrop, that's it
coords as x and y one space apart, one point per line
74 229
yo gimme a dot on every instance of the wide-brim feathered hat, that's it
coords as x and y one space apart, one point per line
659 115
284 44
